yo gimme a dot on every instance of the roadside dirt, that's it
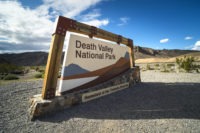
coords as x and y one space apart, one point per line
161 103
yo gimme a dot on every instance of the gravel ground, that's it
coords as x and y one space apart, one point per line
164 102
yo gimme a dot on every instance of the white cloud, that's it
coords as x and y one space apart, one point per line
123 21
196 46
165 40
69 8
188 38
22 28
91 15
21 25
92 19
97 22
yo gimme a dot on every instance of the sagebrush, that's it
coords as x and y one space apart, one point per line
186 63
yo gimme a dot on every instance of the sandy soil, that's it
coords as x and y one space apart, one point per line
155 60
164 102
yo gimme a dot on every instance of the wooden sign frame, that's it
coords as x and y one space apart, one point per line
57 42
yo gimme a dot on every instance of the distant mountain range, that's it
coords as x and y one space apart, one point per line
142 52
40 58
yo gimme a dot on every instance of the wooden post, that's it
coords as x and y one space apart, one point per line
52 67
132 59
54 57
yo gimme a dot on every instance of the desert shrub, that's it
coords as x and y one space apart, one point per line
156 66
10 68
165 70
170 65
32 67
10 77
195 66
2 77
38 75
41 70
148 67
143 70
197 71
17 72
37 69
26 70
185 63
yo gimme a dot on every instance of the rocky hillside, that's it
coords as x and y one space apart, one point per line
25 59
142 52
40 58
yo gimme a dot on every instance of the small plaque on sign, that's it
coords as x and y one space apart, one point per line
99 93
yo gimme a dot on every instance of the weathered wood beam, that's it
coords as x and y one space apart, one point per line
52 67
86 30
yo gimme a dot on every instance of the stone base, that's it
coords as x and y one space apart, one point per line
40 106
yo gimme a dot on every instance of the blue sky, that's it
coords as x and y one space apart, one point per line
27 25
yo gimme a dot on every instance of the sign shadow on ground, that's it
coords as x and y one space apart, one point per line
148 100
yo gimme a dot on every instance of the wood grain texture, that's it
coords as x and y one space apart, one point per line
52 68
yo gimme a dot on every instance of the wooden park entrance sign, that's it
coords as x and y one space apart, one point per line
91 68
